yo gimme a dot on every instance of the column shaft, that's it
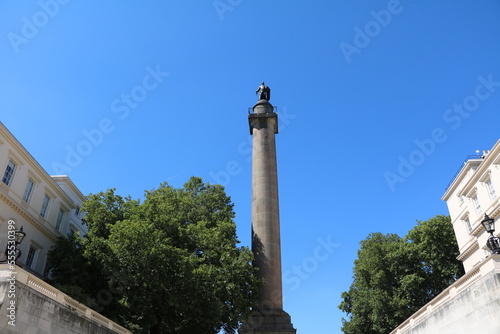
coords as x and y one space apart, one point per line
265 212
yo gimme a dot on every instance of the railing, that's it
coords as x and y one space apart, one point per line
491 263
49 291
250 110
469 157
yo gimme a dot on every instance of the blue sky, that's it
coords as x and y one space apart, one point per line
379 101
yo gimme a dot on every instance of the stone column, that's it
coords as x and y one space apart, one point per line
268 317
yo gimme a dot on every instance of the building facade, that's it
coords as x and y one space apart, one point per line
472 303
44 206
474 192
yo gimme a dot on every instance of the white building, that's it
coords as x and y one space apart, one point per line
45 206
472 303
474 192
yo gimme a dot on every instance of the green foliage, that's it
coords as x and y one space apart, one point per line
394 276
172 262
68 267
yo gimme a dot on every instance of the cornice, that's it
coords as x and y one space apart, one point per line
66 180
459 178
491 158
21 151
5 198
468 251
494 208
483 168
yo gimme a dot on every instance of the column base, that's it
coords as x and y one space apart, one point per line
268 322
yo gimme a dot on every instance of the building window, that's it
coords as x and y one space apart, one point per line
467 224
491 189
461 199
77 211
32 257
60 216
28 191
45 205
9 173
47 272
477 205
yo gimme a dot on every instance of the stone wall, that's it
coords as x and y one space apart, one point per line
38 314
475 309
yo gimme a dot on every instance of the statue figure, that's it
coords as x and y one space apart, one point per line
264 92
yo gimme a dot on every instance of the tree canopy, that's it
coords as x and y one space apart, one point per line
170 264
393 277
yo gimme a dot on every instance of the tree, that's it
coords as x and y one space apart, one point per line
372 300
71 272
394 276
172 262
73 267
